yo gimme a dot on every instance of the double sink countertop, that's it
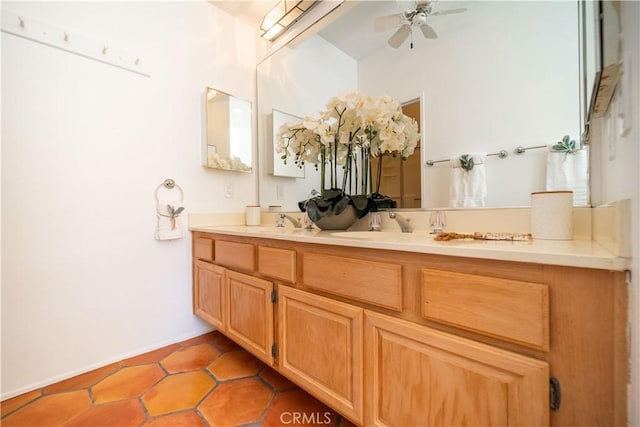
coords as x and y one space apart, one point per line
568 253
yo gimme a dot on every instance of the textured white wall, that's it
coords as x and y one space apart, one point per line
84 146
500 75
616 175
296 82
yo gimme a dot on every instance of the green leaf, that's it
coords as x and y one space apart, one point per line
341 205
466 162
360 201
313 211
331 194
322 202
178 211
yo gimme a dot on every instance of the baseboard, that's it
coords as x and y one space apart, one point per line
34 386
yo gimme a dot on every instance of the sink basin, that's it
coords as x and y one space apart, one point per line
389 236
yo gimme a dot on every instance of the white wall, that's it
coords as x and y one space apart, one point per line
500 75
296 82
84 146
616 166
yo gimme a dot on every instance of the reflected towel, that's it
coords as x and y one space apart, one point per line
569 172
168 228
468 188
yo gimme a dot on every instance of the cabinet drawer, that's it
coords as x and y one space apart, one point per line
234 254
203 249
277 263
372 282
507 309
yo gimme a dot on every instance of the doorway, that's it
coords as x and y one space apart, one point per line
401 179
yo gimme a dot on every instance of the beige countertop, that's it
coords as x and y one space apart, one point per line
571 253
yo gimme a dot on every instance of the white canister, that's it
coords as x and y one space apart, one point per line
552 215
252 215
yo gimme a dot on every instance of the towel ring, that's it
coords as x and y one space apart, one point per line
170 185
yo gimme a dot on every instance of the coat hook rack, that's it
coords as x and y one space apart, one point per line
63 39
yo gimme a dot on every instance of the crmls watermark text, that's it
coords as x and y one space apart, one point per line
305 418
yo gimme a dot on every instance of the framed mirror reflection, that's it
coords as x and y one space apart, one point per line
229 132
498 76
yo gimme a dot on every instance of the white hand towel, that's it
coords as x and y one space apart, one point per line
569 172
468 188
168 227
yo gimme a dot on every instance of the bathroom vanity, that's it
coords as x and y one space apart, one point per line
400 330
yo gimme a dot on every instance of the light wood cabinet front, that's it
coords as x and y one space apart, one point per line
203 249
235 255
277 263
320 348
488 305
250 314
417 376
209 296
372 282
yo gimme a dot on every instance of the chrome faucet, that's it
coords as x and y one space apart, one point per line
295 222
404 223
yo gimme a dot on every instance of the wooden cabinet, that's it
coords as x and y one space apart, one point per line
406 339
320 348
209 294
249 313
419 376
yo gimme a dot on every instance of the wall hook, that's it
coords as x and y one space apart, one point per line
21 19
169 183
66 37
104 50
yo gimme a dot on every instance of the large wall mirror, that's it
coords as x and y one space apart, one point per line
499 75
229 142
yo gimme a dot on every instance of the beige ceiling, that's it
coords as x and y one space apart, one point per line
248 11
353 31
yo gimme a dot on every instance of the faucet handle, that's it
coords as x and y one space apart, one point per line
437 221
308 224
375 223
280 220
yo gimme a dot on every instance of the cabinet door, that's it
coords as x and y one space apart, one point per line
209 297
250 314
320 348
419 376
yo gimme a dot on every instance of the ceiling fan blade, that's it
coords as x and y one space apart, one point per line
428 31
449 12
387 22
400 36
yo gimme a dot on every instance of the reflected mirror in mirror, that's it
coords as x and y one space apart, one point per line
229 139
498 76
283 167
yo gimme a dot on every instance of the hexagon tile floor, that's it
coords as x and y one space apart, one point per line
205 381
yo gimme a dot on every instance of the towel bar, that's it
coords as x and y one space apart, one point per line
501 154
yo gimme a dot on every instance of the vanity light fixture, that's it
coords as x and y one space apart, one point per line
282 15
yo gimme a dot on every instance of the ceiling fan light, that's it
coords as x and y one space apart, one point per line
419 18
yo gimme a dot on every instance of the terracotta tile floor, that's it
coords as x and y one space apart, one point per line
205 381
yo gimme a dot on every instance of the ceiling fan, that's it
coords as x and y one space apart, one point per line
408 19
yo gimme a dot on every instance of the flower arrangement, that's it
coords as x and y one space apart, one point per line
354 128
